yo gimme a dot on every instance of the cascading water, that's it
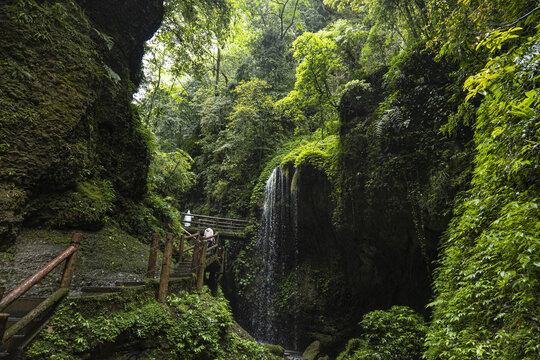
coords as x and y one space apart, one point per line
278 254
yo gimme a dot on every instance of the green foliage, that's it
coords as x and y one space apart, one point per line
456 27
191 327
169 173
320 154
252 130
317 86
487 284
188 30
395 334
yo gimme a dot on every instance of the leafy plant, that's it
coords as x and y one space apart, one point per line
487 284
395 334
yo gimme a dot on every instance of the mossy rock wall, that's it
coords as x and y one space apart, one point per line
104 258
71 146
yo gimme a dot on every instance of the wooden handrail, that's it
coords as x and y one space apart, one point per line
201 222
71 255
198 261
165 270
38 310
202 261
40 274
192 235
212 247
213 218
211 236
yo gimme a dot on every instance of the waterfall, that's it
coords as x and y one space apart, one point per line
277 251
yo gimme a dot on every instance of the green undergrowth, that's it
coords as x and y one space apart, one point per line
133 323
487 285
395 334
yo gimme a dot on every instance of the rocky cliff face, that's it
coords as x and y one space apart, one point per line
71 147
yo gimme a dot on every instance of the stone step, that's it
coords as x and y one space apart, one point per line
129 283
99 289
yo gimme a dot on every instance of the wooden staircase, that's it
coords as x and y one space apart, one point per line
183 268
22 318
17 310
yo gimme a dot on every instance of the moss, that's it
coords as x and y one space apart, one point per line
305 151
85 207
277 350
8 254
320 154
70 144
312 350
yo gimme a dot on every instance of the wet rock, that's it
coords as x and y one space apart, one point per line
312 350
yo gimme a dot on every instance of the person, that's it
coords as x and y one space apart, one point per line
209 241
187 219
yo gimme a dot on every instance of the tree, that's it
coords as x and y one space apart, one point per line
317 86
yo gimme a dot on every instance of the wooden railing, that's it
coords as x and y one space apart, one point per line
199 260
223 225
70 256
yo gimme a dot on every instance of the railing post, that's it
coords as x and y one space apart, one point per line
202 260
3 323
196 252
181 257
221 252
69 267
153 256
165 270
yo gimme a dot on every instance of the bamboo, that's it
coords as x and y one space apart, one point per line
153 256
165 270
69 267
200 275
38 310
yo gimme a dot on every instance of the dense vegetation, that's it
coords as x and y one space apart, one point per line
449 91
135 324
415 121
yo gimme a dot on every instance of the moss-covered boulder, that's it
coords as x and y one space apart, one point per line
312 351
